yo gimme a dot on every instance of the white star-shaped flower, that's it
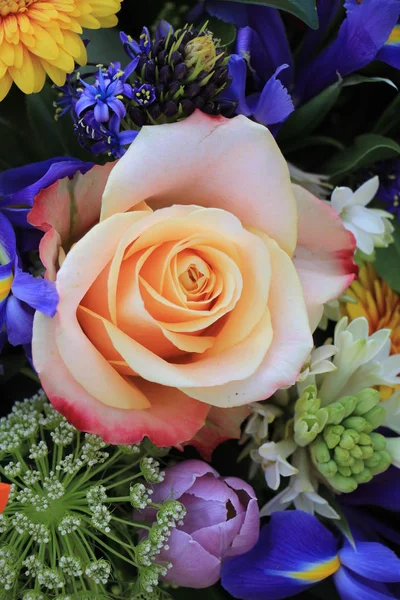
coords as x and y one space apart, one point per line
370 226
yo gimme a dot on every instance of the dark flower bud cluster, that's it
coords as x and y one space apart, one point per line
167 79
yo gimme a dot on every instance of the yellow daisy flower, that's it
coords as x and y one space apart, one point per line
39 37
379 304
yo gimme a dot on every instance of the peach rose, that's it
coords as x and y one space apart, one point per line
200 285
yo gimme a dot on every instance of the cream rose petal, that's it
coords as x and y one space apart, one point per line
290 347
214 162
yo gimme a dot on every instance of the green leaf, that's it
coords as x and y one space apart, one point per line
303 121
388 260
357 79
366 150
105 47
226 32
306 119
48 137
306 10
390 118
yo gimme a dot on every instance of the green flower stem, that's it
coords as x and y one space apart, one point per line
130 523
117 483
109 549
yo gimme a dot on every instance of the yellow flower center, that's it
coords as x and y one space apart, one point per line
318 572
14 6
5 287
394 37
379 304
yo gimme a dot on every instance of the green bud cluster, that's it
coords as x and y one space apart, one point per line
67 532
348 452
309 418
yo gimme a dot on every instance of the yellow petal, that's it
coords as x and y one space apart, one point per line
7 53
27 39
90 22
5 84
24 23
31 77
19 56
73 45
110 21
64 62
56 74
45 45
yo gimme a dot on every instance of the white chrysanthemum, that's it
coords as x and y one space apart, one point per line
370 226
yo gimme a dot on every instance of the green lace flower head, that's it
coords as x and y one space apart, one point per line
67 531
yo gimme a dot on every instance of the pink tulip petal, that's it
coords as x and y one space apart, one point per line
201 513
249 531
233 164
290 347
324 256
193 566
218 538
180 478
165 423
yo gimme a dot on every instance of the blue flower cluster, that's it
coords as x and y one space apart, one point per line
167 78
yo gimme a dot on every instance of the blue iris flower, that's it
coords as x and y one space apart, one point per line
390 53
105 95
368 32
21 293
295 551
361 37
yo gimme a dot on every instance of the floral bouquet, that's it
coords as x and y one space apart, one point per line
199 299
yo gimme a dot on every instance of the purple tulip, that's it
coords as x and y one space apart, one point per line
222 521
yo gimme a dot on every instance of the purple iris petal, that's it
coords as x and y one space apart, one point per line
231 12
21 185
371 560
7 241
274 104
292 542
19 321
362 34
353 587
237 90
390 54
383 490
327 10
38 293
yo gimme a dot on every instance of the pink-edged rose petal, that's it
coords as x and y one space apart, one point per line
233 164
324 256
